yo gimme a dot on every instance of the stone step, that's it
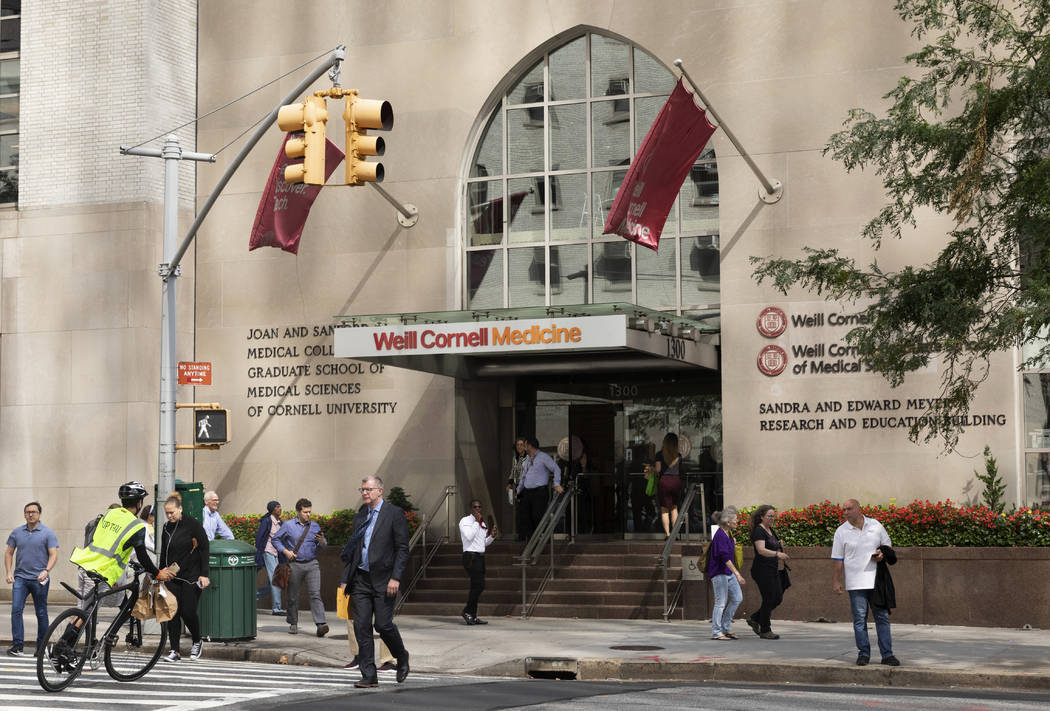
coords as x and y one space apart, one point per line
492 584
494 611
553 597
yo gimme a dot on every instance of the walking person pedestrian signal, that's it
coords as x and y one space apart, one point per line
211 426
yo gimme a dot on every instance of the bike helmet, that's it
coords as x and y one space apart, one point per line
132 491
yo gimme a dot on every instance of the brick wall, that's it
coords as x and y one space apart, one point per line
97 75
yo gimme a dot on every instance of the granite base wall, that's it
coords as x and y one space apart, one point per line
978 587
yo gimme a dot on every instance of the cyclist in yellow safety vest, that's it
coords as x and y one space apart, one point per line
117 534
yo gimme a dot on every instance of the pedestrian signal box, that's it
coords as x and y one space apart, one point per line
211 427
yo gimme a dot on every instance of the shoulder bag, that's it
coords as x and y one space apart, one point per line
283 571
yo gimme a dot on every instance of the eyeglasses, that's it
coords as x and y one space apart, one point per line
32 513
363 489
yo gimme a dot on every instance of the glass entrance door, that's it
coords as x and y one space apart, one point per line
604 443
585 438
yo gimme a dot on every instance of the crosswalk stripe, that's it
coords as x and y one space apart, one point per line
115 701
216 703
138 692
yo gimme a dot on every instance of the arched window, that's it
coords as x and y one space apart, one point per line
544 171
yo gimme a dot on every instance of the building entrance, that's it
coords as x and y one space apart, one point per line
603 434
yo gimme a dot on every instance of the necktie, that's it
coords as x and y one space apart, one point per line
363 531
360 533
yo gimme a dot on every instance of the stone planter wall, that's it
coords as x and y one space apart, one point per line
982 587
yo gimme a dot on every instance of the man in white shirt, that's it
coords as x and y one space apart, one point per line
213 524
856 553
475 536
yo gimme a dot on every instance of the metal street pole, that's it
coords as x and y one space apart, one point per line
172 154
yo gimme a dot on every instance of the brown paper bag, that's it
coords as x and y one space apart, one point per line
143 609
165 606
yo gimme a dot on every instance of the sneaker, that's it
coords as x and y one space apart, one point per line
862 661
16 652
173 656
354 663
63 659
293 629
195 650
322 630
891 661
387 667
279 613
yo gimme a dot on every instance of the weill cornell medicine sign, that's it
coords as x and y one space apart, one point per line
482 337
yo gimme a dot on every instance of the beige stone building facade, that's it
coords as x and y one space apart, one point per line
514 123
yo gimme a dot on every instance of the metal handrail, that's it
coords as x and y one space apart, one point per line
665 557
543 535
421 535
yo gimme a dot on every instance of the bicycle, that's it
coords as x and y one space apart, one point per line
127 653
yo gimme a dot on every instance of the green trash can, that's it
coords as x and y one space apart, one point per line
192 493
227 606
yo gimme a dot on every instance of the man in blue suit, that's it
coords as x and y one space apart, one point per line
376 556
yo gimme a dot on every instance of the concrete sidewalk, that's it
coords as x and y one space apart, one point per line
806 653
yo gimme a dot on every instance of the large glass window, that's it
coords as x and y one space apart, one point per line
10 46
544 172
1036 388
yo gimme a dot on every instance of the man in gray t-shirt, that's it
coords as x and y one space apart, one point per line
32 551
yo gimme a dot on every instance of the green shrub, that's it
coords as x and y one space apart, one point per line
336 526
920 523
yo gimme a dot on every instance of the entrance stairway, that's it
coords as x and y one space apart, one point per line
616 580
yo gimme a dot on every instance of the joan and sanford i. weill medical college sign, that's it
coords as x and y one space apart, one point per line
809 342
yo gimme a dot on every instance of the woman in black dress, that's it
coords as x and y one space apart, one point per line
670 467
765 569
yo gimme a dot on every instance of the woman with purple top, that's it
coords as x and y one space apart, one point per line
725 578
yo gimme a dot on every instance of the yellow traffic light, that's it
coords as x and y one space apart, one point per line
360 115
310 118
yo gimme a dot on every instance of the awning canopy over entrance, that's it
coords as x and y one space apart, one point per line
505 342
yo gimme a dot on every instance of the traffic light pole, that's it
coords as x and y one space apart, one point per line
172 153
170 270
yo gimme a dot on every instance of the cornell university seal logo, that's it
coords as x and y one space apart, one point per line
772 360
771 322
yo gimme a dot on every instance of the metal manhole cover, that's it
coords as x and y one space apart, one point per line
637 647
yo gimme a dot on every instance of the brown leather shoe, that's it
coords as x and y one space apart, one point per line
366 683
769 635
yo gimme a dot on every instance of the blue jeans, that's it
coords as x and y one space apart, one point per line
727 599
275 592
858 601
22 589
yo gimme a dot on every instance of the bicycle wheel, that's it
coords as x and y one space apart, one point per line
57 662
130 653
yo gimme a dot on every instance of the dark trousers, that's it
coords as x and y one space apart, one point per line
368 604
187 595
534 505
474 564
768 581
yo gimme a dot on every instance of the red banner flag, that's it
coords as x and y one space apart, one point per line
680 132
285 206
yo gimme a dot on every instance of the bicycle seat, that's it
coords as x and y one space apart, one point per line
96 577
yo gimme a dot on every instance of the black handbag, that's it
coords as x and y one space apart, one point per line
785 579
